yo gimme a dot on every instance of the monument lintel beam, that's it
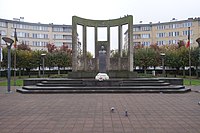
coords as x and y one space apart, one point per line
102 23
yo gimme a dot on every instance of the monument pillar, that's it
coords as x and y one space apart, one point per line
119 46
130 42
85 47
108 49
74 45
96 48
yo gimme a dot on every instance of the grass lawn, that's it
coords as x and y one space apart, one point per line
194 82
19 82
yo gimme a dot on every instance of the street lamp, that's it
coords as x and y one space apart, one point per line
163 63
9 43
43 55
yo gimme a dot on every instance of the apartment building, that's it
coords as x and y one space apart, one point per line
36 35
166 33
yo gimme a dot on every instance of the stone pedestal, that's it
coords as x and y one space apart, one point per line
102 76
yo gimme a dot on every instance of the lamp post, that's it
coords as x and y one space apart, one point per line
198 41
163 63
0 54
43 55
9 43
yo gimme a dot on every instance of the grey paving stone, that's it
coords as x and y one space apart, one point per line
90 113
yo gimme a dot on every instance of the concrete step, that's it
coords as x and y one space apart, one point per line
145 84
171 87
123 84
143 81
62 82
21 90
134 85
59 84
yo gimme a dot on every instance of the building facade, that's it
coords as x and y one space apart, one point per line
165 33
36 35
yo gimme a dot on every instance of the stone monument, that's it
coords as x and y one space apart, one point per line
96 24
102 60
102 75
118 67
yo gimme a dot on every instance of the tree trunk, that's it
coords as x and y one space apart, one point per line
58 70
145 70
197 71
184 72
20 73
49 72
177 69
154 67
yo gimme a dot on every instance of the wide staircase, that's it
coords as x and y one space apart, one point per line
135 85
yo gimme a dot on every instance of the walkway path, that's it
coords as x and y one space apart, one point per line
90 113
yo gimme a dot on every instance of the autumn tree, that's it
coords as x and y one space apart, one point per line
195 58
51 47
181 43
154 47
146 57
138 46
23 46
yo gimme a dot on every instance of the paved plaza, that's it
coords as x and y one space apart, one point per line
90 113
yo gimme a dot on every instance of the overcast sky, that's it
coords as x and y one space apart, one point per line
61 11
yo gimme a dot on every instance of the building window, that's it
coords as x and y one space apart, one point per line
178 25
44 36
136 29
3 32
161 27
145 35
40 28
172 26
146 28
173 41
69 45
3 24
25 42
68 30
67 37
185 32
21 26
175 33
57 29
21 34
57 36
160 35
40 44
136 36
35 43
161 42
187 24
58 44
136 43
145 43
18 26
44 28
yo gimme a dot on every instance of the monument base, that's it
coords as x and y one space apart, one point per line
102 76
112 74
